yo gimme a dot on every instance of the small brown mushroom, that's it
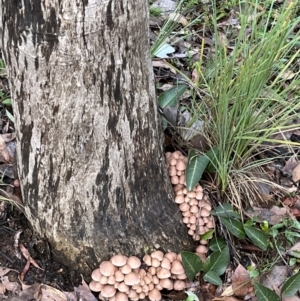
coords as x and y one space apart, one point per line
126 269
201 249
122 287
107 268
119 276
179 285
165 263
166 283
163 273
133 262
155 262
96 275
96 286
147 260
154 295
121 296
171 256
111 280
158 255
118 260
132 279
177 267
108 291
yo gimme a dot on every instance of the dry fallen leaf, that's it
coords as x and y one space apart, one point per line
274 279
296 173
241 282
52 294
290 164
11 286
4 271
163 64
3 150
178 18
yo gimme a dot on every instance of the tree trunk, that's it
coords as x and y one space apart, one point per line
90 160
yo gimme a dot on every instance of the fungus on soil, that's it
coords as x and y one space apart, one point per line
122 278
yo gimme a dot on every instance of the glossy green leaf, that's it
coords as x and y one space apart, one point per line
195 168
225 210
294 253
265 294
291 285
217 261
234 227
192 264
213 278
208 235
170 97
258 237
217 243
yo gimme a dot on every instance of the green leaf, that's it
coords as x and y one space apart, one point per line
258 237
294 253
264 294
171 96
216 244
7 102
233 226
213 278
191 296
195 168
207 235
192 264
217 261
291 285
225 210
11 117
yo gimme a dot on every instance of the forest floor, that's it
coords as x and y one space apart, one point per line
26 261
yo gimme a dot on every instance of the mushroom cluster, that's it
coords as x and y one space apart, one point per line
194 205
122 278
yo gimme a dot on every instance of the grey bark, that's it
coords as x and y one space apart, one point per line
90 160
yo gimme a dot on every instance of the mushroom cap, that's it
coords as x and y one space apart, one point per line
165 263
152 270
125 269
132 279
107 269
132 294
171 256
154 295
118 260
103 280
96 286
122 287
155 262
108 291
179 285
119 276
111 280
147 260
96 275
201 249
177 267
166 283
163 273
121 296
133 262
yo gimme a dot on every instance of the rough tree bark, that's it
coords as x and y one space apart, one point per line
90 160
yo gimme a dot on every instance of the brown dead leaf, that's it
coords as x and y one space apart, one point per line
4 271
163 64
296 173
272 216
228 291
2 289
241 282
26 254
292 298
52 294
9 136
3 150
290 164
226 299
287 75
13 287
176 17
274 279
